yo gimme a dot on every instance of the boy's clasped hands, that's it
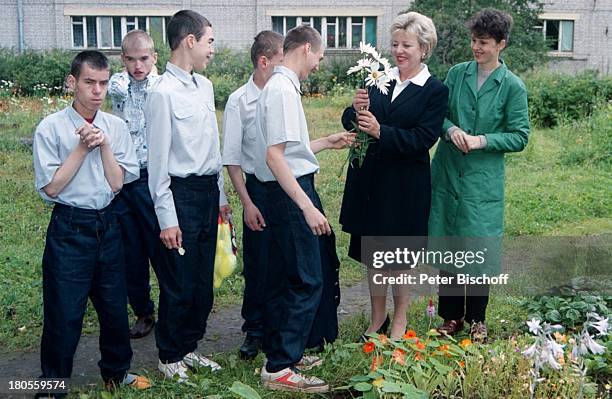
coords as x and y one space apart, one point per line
91 137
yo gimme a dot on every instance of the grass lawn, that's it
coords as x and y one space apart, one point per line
550 190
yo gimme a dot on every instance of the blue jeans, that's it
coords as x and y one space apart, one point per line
140 234
186 281
255 260
295 280
84 258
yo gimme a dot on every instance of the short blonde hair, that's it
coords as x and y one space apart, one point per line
419 25
137 39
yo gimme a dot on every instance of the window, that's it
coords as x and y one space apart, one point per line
337 32
105 32
559 35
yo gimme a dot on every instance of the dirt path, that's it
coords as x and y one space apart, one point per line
223 336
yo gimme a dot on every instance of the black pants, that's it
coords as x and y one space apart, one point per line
140 235
255 260
186 281
462 301
299 296
84 258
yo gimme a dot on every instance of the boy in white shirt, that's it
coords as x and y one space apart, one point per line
185 182
301 249
128 91
239 153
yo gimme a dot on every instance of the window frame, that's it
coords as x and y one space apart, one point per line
560 18
82 21
335 21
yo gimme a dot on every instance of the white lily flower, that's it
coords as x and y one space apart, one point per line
593 346
548 357
529 352
534 326
556 349
602 324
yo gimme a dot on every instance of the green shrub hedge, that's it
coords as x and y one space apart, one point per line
555 97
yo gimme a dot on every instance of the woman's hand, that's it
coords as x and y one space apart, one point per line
465 142
367 122
361 100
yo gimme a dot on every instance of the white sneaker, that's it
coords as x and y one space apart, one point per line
195 360
306 362
176 370
291 380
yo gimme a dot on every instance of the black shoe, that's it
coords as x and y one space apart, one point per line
382 330
250 347
142 327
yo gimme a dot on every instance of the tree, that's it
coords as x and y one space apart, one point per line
526 45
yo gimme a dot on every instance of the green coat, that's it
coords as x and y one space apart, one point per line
468 190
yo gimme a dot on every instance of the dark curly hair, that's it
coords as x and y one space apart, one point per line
491 23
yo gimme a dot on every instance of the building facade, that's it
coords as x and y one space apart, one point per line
578 31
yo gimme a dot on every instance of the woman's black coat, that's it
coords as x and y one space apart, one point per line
390 195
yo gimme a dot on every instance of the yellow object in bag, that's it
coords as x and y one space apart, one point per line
225 257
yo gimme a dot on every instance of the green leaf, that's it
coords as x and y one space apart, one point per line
106 395
360 378
390 387
553 315
244 391
363 387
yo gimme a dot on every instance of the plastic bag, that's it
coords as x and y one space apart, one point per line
225 257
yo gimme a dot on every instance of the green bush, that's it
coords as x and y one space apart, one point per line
555 98
35 72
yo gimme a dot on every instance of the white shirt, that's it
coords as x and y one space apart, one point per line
55 139
182 136
239 127
419 79
280 119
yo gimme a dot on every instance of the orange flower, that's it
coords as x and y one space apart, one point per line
376 362
462 364
418 357
410 334
399 356
383 339
368 347
465 343
420 346
443 348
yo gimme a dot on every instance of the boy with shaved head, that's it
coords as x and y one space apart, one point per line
128 91
185 182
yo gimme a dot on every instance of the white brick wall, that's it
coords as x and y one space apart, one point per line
236 22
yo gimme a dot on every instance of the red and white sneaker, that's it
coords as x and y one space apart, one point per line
290 379
308 362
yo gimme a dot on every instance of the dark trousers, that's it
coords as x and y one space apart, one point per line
255 260
294 282
458 301
84 258
140 234
186 281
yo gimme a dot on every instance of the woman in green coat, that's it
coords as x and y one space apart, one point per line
487 117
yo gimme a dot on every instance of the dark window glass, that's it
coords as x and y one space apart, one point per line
117 32
92 32
317 23
291 22
342 32
77 32
370 31
552 34
331 32
277 25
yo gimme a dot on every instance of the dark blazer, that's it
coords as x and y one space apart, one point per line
391 193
